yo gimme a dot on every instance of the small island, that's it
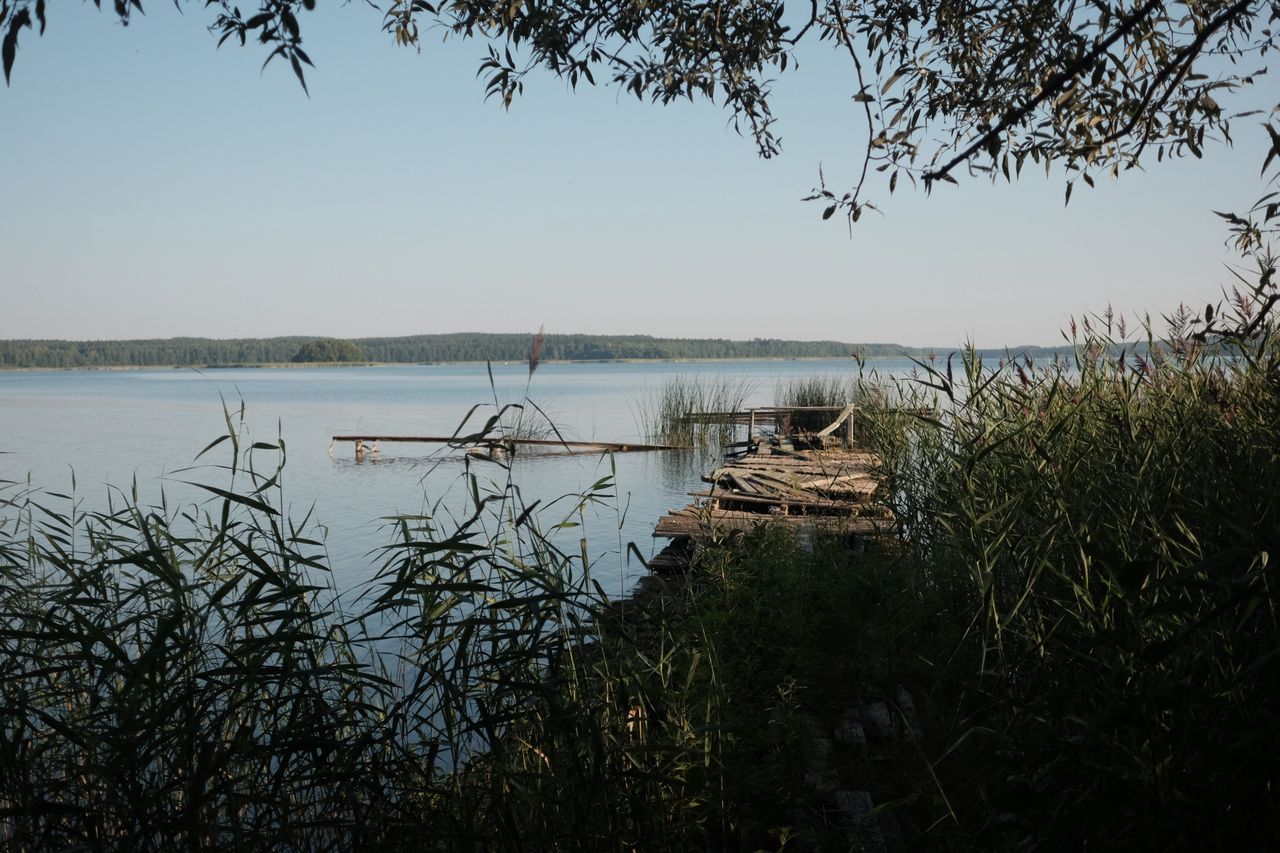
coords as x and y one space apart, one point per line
327 351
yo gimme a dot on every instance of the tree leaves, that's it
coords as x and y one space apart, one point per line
9 47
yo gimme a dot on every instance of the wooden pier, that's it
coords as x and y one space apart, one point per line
814 481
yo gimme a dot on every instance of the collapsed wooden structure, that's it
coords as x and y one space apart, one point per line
817 482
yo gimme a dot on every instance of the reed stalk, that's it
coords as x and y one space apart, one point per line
677 412
1106 530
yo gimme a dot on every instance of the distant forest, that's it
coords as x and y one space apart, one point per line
417 349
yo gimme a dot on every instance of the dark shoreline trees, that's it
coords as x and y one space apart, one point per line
455 347
327 350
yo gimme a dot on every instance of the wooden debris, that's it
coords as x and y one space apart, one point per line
787 480
703 525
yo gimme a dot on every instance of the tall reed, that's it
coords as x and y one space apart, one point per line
684 409
189 678
1107 530
816 390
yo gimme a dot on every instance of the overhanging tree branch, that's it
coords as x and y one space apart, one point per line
1053 87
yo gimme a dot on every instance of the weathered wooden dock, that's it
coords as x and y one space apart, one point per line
813 481
778 418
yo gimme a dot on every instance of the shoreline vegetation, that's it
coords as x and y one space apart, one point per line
282 365
462 348
1072 643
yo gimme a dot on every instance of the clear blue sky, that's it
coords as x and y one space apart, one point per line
153 185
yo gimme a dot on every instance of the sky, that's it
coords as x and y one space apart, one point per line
153 185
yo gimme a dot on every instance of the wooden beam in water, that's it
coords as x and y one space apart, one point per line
571 446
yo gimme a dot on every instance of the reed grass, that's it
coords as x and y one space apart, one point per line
817 390
189 678
1102 534
666 415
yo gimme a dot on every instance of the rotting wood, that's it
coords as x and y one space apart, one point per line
460 441
846 507
844 416
787 480
698 526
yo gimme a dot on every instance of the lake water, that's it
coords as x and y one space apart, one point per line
109 427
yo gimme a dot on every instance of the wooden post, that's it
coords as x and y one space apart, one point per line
848 427
751 428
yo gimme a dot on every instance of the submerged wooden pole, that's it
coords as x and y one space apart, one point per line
571 446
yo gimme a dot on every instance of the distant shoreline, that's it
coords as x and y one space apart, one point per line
459 348
124 368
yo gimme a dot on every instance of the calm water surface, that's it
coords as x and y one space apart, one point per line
109 427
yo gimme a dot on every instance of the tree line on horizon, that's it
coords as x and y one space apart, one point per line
417 349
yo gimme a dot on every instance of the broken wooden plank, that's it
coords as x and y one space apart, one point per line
844 416
851 507
597 446
710 521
